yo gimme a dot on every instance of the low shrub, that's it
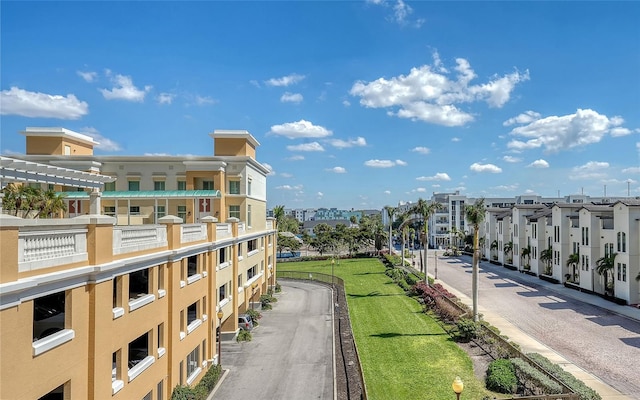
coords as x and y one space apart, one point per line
532 380
278 288
583 391
254 315
244 336
411 279
501 377
447 311
202 389
467 329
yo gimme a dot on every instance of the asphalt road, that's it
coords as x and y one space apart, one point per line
601 342
291 354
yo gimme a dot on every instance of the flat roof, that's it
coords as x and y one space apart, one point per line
58 132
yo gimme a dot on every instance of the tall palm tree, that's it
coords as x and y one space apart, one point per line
50 204
390 211
546 256
604 266
526 252
573 260
278 214
425 210
474 213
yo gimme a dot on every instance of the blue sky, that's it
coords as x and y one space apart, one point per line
355 104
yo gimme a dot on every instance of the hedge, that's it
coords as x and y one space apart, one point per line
532 380
585 392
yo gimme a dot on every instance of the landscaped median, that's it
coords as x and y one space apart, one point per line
405 354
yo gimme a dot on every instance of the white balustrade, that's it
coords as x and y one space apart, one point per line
223 231
39 249
193 233
128 239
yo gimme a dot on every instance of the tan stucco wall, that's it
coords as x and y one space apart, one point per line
8 259
233 147
55 146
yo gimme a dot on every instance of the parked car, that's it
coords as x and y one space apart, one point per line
245 322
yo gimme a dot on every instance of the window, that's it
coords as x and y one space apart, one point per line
161 336
556 234
192 265
240 280
117 292
619 271
110 211
161 211
249 215
249 187
222 293
160 391
585 236
622 242
193 362
234 187
134 186
182 185
138 284
147 397
192 313
239 251
207 185
624 272
67 150
138 350
160 277
251 272
252 245
234 212
56 394
222 255
534 229
158 185
110 187
48 315
116 373
182 212
134 210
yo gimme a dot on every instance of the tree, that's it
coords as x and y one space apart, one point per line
27 201
494 247
526 252
278 214
390 211
604 266
51 204
573 261
288 241
508 248
546 256
324 240
474 213
425 210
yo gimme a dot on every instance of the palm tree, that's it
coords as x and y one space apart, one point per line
475 215
526 252
494 246
573 260
50 204
390 211
425 210
546 256
508 248
278 214
604 266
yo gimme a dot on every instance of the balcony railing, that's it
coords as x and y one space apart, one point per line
127 239
193 233
223 231
49 248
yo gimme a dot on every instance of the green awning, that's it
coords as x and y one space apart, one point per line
147 194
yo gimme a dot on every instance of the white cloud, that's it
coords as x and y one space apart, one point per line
421 150
103 142
286 175
591 170
270 168
455 139
87 76
619 131
300 129
18 101
509 188
203 100
313 146
529 191
289 187
346 103
337 170
285 80
124 89
387 192
380 163
631 170
401 163
288 97
557 133
421 190
428 94
476 167
539 164
524 118
165 98
435 185
341 144
511 159
440 176
297 157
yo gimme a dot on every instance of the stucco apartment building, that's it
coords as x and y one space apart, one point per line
120 298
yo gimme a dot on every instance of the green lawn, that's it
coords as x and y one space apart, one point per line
404 353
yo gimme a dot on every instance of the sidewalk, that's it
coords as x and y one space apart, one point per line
529 344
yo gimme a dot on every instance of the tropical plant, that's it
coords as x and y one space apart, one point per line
26 201
604 267
278 214
526 252
390 212
425 210
324 240
494 247
508 248
475 215
573 261
288 241
546 256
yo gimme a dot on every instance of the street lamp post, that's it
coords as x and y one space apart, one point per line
435 255
457 386
220 314
333 261
254 285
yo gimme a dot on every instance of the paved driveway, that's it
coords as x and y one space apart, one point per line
596 340
291 354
